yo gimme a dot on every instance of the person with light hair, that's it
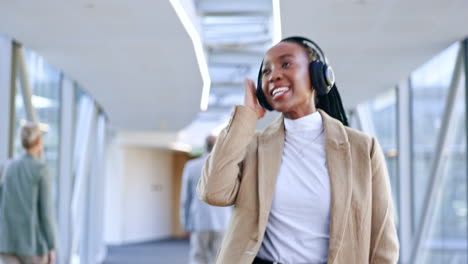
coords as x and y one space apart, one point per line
27 221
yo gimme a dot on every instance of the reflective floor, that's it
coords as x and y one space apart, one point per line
171 251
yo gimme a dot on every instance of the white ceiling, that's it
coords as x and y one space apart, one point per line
374 44
137 60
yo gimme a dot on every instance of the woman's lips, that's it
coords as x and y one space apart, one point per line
277 92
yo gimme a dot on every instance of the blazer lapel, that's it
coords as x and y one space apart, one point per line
270 150
339 169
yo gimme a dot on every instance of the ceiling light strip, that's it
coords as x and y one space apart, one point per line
277 34
199 52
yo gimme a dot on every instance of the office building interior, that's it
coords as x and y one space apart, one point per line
128 90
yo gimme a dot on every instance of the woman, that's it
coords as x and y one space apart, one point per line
307 189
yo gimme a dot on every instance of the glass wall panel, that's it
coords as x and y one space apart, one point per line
447 236
429 89
85 122
44 81
45 85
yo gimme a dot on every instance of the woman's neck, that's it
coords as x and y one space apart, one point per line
300 113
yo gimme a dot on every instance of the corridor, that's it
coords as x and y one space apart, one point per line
170 251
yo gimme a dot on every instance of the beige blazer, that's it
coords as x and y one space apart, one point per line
242 170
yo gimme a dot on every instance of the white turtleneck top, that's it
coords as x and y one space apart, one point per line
299 222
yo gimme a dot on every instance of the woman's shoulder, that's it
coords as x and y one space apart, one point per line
357 134
360 139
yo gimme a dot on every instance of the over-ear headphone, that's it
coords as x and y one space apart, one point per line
321 75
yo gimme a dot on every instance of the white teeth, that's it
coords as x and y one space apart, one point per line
279 90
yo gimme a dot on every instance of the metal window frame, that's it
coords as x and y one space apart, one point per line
410 156
26 89
65 167
81 156
465 58
93 241
404 170
432 191
7 98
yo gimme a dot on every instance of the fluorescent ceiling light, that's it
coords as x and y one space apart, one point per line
199 52
232 20
276 21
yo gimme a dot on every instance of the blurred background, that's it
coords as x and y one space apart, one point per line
128 91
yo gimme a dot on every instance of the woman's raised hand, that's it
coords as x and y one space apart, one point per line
250 99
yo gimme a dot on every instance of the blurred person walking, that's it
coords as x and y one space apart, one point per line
27 221
205 223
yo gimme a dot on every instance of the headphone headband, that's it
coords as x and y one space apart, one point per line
305 41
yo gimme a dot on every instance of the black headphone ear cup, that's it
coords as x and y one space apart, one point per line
259 92
317 77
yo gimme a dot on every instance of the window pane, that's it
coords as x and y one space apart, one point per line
45 86
429 88
447 235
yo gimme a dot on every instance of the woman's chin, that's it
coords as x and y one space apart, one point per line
283 108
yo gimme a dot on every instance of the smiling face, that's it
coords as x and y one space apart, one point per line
286 80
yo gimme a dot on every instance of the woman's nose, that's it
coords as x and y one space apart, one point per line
275 75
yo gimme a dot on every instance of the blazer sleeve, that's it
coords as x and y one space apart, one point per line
221 175
46 207
384 239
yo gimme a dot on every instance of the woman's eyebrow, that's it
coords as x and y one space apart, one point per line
267 62
286 55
